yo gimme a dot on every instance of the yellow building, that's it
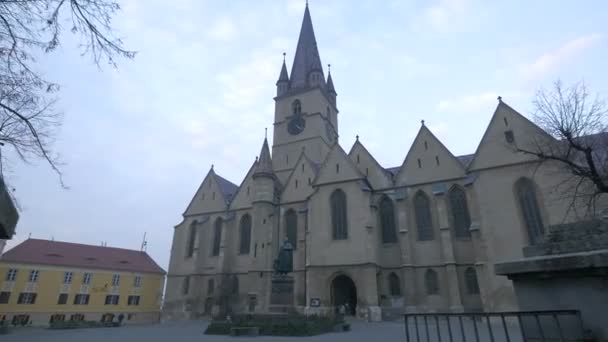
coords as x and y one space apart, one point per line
44 280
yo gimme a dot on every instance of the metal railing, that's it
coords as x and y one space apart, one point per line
513 326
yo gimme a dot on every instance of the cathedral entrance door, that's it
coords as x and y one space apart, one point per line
344 292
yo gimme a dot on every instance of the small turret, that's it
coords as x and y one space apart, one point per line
264 177
283 82
331 91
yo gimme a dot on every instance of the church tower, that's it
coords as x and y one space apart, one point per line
306 115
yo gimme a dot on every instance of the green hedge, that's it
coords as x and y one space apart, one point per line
277 325
82 324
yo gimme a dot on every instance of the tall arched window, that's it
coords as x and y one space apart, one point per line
338 215
291 227
528 203
387 220
191 239
217 237
470 278
245 242
394 285
460 212
431 282
424 222
296 107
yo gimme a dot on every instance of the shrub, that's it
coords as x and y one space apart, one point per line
276 325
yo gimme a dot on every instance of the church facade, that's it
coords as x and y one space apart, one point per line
420 237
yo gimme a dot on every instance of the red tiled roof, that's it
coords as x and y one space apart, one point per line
46 252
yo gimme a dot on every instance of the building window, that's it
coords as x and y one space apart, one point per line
57 318
86 278
528 204
394 285
20 320
419 163
338 215
137 281
296 107
4 297
33 276
217 237
509 137
337 168
470 277
210 286
431 282
191 239
83 299
437 160
245 242
112 299
460 213
291 227
387 220
67 277
11 274
423 217
63 298
26 298
77 317
116 280
186 285
133 300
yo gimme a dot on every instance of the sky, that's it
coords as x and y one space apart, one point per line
137 141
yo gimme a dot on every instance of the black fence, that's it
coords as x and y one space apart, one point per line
516 326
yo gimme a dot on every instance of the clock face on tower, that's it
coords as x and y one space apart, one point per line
296 125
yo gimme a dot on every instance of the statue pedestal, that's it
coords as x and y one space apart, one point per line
281 294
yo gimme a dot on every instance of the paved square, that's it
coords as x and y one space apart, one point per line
193 331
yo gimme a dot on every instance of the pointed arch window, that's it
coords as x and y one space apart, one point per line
387 220
245 232
431 282
424 222
528 204
296 107
460 212
291 227
338 215
217 237
191 239
394 285
470 277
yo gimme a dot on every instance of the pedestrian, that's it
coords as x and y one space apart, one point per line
120 318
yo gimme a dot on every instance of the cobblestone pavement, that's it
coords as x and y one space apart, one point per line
193 331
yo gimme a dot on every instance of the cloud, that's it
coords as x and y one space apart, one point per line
550 61
472 103
223 29
446 15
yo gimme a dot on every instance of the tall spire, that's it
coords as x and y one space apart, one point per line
307 58
264 166
330 82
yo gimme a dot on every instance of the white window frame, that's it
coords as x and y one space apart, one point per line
86 278
116 280
33 276
11 274
137 281
67 277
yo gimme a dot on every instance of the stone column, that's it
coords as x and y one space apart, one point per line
408 274
447 255
479 246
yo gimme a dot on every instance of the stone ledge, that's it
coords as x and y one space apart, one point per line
554 263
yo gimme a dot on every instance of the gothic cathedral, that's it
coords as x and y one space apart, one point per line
422 236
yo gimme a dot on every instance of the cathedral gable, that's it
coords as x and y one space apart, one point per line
213 195
428 160
244 195
337 167
299 184
367 165
506 131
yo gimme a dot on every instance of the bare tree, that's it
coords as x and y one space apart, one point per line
577 124
28 30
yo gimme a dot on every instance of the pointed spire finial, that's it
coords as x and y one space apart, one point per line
357 137
284 54
265 132
306 3
422 122
328 68
211 166
499 98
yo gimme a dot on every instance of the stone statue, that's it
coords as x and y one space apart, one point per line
283 264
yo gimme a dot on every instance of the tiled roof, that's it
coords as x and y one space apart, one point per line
307 56
227 187
58 253
466 159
